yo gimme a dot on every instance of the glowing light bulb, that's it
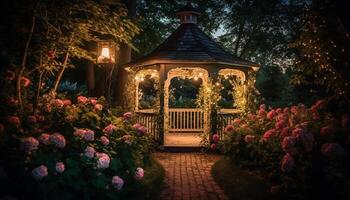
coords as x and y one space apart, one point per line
142 79
195 78
200 74
105 52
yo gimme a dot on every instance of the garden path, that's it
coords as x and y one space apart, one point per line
188 176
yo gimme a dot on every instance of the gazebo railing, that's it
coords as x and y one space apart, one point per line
186 120
149 119
224 118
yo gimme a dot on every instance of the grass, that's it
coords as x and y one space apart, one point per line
152 183
238 183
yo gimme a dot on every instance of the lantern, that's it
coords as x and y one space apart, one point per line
106 51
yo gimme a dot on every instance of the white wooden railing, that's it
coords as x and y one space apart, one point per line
186 120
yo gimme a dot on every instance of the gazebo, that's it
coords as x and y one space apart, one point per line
186 53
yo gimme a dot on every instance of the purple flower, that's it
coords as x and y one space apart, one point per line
109 129
39 172
104 140
127 116
117 182
216 138
89 152
103 160
60 167
139 173
29 144
58 140
140 129
89 135
44 138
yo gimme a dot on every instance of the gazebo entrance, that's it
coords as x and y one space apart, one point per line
188 53
185 125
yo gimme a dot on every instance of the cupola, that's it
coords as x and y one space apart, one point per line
188 14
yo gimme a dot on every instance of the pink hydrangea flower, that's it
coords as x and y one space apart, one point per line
109 129
60 167
14 120
140 129
216 138
89 152
345 120
103 160
93 101
269 134
280 124
288 143
237 121
262 107
89 135
82 99
79 133
139 173
270 115
44 138
249 138
332 149
117 182
213 146
39 172
287 163
262 113
98 107
29 144
58 103
229 128
25 82
58 140
297 132
279 110
327 131
127 116
67 102
104 140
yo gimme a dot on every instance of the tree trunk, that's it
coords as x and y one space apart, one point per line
90 77
59 77
23 65
124 57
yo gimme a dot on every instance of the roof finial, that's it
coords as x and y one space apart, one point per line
188 14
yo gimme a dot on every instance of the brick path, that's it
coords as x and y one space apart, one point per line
188 176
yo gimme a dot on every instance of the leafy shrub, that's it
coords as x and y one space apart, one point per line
68 150
300 149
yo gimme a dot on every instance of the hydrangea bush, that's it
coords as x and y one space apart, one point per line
299 149
71 149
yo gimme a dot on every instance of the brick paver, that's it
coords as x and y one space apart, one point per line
188 176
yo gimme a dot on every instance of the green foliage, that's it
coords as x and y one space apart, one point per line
83 177
291 147
323 49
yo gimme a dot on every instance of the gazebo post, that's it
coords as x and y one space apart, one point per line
161 126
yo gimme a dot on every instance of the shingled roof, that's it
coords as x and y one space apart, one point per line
189 44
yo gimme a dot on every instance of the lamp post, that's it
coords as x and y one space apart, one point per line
106 56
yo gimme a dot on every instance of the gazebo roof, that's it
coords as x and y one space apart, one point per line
190 45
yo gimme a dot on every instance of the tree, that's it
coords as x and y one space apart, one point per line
60 33
260 30
323 49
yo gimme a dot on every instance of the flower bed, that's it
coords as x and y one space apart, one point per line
72 150
299 149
